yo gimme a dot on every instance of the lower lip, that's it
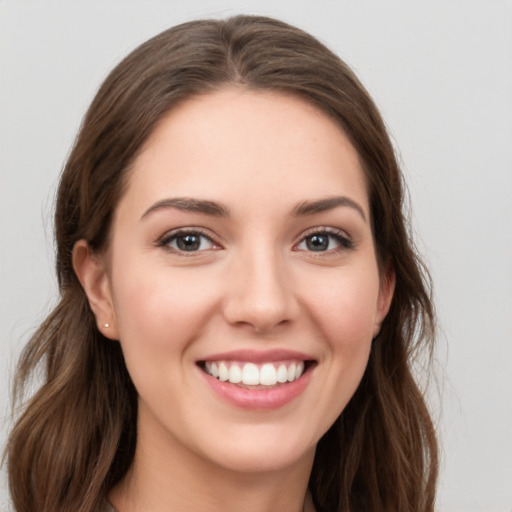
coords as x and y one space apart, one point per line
254 399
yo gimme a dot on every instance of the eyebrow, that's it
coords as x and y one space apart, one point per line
218 210
189 205
322 205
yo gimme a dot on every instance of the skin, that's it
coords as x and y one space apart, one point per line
253 284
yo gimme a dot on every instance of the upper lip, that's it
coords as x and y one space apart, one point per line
259 356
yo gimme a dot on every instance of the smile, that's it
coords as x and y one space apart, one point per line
258 381
252 374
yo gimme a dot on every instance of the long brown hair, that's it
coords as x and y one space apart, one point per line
75 438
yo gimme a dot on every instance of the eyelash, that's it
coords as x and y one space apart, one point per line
342 240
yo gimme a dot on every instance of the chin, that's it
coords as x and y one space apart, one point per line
258 460
260 449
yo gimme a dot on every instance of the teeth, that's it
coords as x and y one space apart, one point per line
299 370
250 374
291 372
282 373
235 374
223 372
268 375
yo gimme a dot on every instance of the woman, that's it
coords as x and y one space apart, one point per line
240 299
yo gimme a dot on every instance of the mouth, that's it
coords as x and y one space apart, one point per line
258 380
253 375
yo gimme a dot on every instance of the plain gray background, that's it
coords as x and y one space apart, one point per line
441 72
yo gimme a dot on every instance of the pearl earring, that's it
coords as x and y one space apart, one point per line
106 325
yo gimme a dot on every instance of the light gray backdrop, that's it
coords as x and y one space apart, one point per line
441 71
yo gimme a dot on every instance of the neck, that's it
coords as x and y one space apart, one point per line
166 476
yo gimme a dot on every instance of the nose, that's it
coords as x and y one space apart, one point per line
260 293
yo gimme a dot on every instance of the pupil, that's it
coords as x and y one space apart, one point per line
188 242
317 242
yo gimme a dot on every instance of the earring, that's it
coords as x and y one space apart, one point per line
106 325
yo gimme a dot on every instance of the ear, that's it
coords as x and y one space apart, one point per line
387 289
92 273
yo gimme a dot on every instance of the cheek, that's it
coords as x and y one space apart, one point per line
343 317
159 314
345 312
157 309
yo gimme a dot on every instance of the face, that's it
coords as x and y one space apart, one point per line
242 279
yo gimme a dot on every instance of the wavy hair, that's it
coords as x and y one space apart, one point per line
75 437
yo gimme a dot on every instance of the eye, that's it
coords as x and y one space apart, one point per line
324 241
187 241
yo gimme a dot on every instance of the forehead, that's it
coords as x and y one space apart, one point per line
242 144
